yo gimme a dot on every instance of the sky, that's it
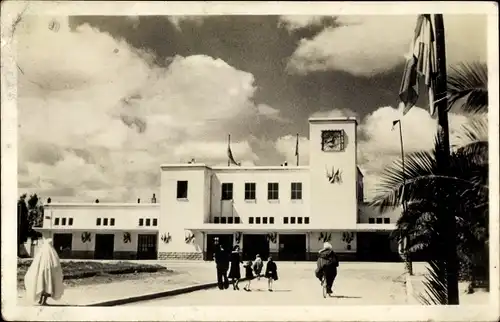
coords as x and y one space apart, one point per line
103 101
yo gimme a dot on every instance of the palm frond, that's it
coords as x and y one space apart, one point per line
468 84
436 284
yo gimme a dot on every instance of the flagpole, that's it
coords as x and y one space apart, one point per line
409 265
297 149
443 160
228 146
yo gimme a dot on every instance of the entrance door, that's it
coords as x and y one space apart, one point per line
292 247
226 240
253 245
375 247
62 244
146 246
104 246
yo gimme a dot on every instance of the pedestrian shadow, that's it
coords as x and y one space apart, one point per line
345 297
267 291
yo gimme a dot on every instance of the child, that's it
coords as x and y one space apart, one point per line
257 266
248 275
271 273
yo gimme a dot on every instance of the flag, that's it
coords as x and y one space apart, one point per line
297 146
421 62
230 153
394 124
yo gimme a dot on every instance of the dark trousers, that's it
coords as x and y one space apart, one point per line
330 274
222 281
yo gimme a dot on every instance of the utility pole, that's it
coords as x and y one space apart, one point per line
443 161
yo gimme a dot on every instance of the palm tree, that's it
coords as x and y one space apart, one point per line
461 188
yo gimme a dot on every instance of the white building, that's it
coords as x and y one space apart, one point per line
284 211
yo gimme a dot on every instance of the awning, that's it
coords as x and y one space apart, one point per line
263 228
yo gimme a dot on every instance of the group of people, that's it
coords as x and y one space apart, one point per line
228 269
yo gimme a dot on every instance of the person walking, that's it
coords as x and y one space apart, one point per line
234 270
44 277
327 266
271 273
222 265
257 266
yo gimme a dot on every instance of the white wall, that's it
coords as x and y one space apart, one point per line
335 204
336 241
178 214
84 216
261 206
366 212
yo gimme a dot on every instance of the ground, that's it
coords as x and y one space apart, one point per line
356 284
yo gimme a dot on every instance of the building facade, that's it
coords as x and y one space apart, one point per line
283 211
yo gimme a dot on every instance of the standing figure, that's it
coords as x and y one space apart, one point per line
327 266
271 273
234 271
44 277
248 275
221 264
257 266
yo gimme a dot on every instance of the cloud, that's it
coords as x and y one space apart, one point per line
97 117
369 45
285 146
294 22
179 19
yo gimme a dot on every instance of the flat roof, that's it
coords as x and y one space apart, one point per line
333 119
266 228
234 167
100 204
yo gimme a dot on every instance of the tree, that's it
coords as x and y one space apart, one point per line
22 222
29 215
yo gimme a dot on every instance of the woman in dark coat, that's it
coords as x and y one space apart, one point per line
234 271
271 273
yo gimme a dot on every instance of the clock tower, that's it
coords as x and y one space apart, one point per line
333 171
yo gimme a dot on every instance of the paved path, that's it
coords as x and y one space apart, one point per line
356 284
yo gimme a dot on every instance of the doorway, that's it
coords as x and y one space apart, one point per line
226 240
63 244
253 245
104 246
292 247
372 246
146 246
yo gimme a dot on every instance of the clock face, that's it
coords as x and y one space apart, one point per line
332 140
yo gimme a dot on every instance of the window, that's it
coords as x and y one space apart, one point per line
292 220
63 221
70 221
264 220
271 220
216 220
112 222
56 221
141 222
223 220
257 220
250 191
285 220
230 220
155 222
98 222
237 220
296 190
299 220
371 220
227 191
387 220
272 191
379 220
105 222
148 222
250 220
182 189
332 140
306 220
